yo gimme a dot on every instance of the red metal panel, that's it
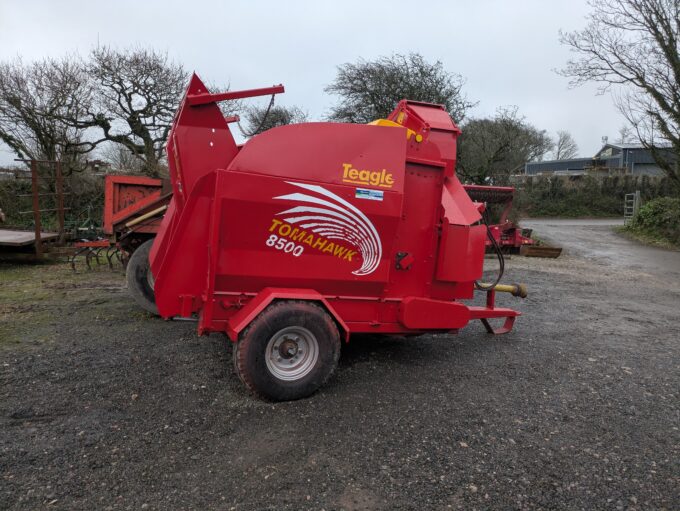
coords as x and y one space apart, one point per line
355 155
417 231
126 195
461 253
181 269
423 313
163 237
434 115
433 123
458 208
200 142
302 233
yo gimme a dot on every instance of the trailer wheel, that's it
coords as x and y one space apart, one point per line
288 352
140 279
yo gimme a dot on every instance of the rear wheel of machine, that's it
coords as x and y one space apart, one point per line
140 279
288 352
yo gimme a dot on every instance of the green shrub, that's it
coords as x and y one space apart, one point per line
14 199
659 218
83 200
579 196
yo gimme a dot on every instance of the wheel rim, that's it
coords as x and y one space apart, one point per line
292 353
149 277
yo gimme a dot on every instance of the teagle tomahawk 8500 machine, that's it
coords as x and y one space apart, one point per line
308 233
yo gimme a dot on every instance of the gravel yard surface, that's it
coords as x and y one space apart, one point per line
105 407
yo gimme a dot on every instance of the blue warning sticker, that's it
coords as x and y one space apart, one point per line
364 193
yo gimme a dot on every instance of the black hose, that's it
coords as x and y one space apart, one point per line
499 253
262 122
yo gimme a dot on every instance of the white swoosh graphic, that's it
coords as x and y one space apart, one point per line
333 217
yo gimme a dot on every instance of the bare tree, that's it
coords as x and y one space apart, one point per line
259 119
625 135
120 158
371 90
494 148
136 94
34 100
565 146
631 48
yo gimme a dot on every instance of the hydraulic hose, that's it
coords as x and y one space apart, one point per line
501 259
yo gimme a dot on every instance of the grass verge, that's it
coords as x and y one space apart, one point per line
37 299
653 238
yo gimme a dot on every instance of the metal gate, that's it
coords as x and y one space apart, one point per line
631 205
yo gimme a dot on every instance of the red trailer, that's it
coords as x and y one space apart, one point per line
127 198
133 209
311 232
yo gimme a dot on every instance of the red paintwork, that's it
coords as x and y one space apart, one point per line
203 97
318 211
125 196
246 314
92 244
491 311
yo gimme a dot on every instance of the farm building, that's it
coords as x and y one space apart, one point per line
633 159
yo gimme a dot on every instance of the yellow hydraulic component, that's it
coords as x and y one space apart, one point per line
140 219
387 122
514 289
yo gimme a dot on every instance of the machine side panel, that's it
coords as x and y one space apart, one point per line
179 260
424 313
163 236
458 207
199 143
461 253
294 233
460 257
416 238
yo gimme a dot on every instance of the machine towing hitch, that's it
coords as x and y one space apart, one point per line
309 233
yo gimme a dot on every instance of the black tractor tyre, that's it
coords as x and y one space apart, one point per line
288 352
139 278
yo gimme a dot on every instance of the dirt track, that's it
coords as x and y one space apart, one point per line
596 239
103 407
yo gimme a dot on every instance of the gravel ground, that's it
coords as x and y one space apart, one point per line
104 407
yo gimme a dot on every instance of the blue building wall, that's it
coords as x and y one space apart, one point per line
576 164
633 157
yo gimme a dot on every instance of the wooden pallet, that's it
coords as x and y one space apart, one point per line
11 238
540 251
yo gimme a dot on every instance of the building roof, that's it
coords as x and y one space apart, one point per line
610 155
624 146
571 160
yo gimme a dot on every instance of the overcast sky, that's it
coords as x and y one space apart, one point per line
506 50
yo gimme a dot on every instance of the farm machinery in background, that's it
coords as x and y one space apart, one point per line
505 234
133 209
